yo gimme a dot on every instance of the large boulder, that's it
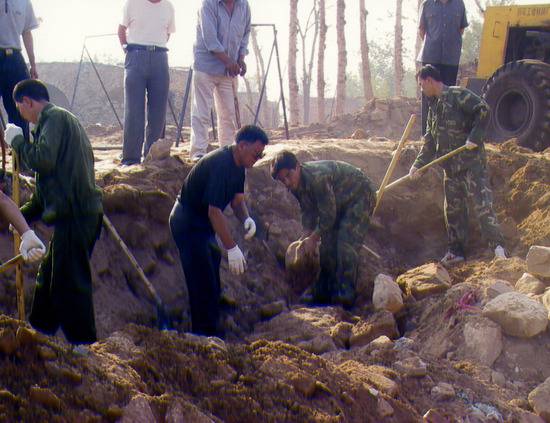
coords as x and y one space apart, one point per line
387 294
497 287
425 281
517 314
538 261
379 324
528 284
539 399
483 340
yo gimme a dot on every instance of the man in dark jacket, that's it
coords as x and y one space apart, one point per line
66 197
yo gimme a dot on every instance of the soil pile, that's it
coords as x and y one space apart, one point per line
282 361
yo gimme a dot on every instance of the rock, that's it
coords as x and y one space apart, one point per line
517 314
538 261
498 379
434 416
425 281
46 353
412 367
381 323
25 336
387 294
160 150
184 413
138 410
267 311
8 342
380 343
443 392
498 287
546 299
303 383
370 376
359 134
527 417
528 284
539 399
341 333
45 397
483 340
384 408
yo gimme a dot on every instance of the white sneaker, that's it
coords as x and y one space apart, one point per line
449 259
500 253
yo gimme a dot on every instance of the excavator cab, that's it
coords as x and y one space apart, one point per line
514 74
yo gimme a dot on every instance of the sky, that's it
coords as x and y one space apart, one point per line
65 24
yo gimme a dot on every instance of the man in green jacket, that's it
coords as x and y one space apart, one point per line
67 198
337 200
458 117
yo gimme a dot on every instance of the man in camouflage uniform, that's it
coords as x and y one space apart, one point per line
337 200
458 117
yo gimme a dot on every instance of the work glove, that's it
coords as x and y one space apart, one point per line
249 227
11 132
31 248
470 145
414 174
237 262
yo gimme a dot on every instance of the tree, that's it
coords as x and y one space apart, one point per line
365 65
307 67
399 72
342 57
321 62
292 51
417 46
260 75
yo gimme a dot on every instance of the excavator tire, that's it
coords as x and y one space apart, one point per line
519 96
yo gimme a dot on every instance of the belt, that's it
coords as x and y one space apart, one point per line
131 47
8 51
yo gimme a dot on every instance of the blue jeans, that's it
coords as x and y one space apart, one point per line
12 70
145 73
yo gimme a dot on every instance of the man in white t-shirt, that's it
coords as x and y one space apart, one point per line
143 33
17 20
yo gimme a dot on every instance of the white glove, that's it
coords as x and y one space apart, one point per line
414 174
470 145
11 132
237 262
249 227
31 248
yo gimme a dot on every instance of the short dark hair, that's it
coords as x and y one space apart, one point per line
429 71
32 88
283 160
251 134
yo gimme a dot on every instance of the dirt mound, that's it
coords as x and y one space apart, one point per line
283 362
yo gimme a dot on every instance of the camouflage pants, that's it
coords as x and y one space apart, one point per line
458 187
339 253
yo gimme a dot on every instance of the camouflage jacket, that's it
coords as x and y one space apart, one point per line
326 189
455 116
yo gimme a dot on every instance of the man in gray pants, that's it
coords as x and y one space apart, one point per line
145 29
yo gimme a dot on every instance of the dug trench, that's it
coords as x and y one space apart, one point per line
282 361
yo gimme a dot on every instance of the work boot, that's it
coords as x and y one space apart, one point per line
450 259
344 295
500 253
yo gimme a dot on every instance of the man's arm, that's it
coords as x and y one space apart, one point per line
427 152
422 22
243 48
29 47
12 214
239 207
474 106
122 35
219 223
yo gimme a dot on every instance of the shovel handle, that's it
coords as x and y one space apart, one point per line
11 262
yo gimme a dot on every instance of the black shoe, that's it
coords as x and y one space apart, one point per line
128 162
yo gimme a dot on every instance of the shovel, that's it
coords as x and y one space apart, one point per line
18 259
163 320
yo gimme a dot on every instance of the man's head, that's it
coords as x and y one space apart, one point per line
251 142
430 81
285 168
30 96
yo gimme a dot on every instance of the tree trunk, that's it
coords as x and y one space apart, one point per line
321 63
342 59
260 75
365 65
418 46
292 51
307 66
398 49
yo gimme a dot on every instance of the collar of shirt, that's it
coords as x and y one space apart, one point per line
42 117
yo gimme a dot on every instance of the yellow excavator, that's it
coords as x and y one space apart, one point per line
513 74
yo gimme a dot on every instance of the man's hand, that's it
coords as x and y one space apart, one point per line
414 174
33 72
11 132
31 248
249 227
242 64
232 69
470 145
237 262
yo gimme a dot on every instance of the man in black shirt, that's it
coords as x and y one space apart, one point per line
197 217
